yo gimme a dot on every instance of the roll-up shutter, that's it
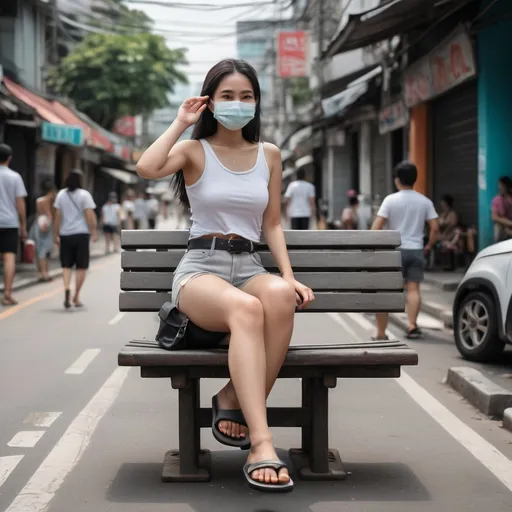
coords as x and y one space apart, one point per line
455 150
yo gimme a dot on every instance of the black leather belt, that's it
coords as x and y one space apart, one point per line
233 245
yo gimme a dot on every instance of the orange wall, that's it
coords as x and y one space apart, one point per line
418 143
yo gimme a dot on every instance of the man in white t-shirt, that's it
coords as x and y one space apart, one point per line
407 211
13 219
301 201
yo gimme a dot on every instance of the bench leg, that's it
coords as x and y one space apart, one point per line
315 461
190 463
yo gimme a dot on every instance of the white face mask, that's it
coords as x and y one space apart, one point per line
234 115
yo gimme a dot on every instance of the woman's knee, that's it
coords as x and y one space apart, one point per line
281 297
248 311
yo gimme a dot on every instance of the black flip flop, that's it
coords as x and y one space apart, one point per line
234 415
413 334
262 486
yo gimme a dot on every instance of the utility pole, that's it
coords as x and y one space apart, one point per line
55 41
321 37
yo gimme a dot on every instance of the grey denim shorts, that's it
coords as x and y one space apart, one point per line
413 264
236 269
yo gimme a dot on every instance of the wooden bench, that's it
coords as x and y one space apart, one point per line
350 271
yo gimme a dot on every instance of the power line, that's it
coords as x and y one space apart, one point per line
199 6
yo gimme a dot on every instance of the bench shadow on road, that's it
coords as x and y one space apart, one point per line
138 483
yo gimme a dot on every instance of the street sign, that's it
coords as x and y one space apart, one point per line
62 134
293 54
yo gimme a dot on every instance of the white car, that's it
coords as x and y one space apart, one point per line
482 310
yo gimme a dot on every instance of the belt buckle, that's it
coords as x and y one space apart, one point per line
232 246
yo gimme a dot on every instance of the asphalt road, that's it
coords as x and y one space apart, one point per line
78 433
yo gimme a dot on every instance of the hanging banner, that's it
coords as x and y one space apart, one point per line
393 117
293 54
448 65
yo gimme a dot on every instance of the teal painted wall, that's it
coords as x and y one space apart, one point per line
494 46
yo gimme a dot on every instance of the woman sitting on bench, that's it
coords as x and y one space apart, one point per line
232 182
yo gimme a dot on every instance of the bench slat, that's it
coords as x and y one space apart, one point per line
342 281
307 260
150 239
324 302
342 355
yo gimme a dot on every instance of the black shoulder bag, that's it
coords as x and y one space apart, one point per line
177 332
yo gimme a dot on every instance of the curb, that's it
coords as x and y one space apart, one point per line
507 419
32 281
444 315
479 391
447 286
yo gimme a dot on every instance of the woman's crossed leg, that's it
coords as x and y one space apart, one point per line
260 320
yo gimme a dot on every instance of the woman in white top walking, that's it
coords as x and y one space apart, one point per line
75 224
233 185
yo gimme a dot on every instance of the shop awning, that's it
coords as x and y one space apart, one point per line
338 103
43 107
299 137
389 19
92 137
302 162
286 154
124 176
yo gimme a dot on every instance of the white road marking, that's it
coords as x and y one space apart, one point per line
366 324
499 465
116 319
343 323
42 419
80 365
26 439
7 466
46 481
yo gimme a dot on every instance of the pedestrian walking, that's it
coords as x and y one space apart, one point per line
152 209
139 212
128 207
111 220
300 199
501 209
42 228
232 182
407 211
74 227
13 219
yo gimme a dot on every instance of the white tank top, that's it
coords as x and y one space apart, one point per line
224 201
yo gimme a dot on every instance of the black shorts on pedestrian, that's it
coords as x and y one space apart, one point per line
413 264
74 251
109 230
300 223
9 240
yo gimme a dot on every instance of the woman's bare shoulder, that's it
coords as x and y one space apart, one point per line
272 152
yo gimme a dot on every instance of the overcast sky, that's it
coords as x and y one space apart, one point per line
209 34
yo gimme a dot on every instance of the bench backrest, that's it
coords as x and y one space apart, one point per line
356 271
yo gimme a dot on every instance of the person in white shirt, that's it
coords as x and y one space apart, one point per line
13 219
301 201
128 207
75 224
111 219
152 209
140 213
407 211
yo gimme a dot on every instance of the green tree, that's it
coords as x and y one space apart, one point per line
301 93
115 16
113 75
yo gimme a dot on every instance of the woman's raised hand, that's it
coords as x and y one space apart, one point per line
191 110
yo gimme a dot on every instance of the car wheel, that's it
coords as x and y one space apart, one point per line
476 328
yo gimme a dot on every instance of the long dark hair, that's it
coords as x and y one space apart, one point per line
207 124
74 180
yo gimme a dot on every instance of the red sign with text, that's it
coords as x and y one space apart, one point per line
450 64
293 54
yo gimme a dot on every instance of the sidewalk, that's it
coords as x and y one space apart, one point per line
26 273
437 295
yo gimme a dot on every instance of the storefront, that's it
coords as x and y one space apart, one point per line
441 89
388 148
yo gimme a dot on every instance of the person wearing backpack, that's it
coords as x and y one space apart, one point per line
75 225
